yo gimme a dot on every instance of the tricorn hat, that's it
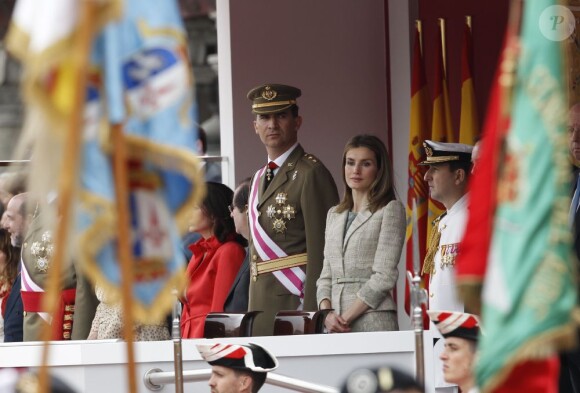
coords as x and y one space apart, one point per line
440 152
456 324
249 357
273 98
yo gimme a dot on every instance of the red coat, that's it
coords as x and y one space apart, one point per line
211 272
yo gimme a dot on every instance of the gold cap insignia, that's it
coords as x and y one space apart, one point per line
268 93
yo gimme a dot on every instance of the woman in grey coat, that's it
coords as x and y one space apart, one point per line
363 243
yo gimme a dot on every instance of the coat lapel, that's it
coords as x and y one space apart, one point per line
359 220
284 174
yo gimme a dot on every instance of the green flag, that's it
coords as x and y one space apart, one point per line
529 291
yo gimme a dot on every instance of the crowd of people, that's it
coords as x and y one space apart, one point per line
282 241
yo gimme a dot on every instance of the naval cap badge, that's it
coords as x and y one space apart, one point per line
42 250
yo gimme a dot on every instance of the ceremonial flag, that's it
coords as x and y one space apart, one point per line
471 262
147 82
529 287
41 35
468 123
441 129
417 189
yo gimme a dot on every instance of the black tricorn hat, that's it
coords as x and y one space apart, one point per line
456 324
249 357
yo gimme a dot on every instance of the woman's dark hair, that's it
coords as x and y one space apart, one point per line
243 195
12 257
383 189
215 205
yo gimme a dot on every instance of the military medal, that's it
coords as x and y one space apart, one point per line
279 225
448 255
280 212
42 251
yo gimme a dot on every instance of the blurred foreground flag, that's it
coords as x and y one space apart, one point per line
144 85
42 35
529 291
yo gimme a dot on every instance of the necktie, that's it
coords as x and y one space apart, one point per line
575 200
270 173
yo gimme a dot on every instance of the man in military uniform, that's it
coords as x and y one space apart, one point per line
461 335
289 201
447 178
237 368
77 300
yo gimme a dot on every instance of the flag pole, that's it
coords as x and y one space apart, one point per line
419 26
441 22
123 245
177 350
418 300
67 180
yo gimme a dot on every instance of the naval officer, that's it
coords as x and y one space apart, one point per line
447 178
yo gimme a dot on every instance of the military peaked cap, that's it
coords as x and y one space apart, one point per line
273 98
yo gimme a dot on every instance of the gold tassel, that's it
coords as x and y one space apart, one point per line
432 247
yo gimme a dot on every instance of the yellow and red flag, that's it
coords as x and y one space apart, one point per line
441 128
468 121
418 132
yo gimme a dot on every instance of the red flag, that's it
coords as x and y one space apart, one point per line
530 375
417 134
472 260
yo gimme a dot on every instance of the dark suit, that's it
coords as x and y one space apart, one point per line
237 300
13 315
309 189
570 361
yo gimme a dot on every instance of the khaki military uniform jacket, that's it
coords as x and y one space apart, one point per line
85 303
310 190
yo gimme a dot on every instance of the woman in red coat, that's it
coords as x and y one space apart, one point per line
216 259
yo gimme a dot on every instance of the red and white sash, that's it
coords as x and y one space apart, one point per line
292 278
28 285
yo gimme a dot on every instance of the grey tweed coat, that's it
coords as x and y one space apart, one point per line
363 264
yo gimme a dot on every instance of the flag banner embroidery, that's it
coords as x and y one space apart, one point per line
529 291
147 88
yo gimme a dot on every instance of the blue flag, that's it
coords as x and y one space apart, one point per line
141 79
